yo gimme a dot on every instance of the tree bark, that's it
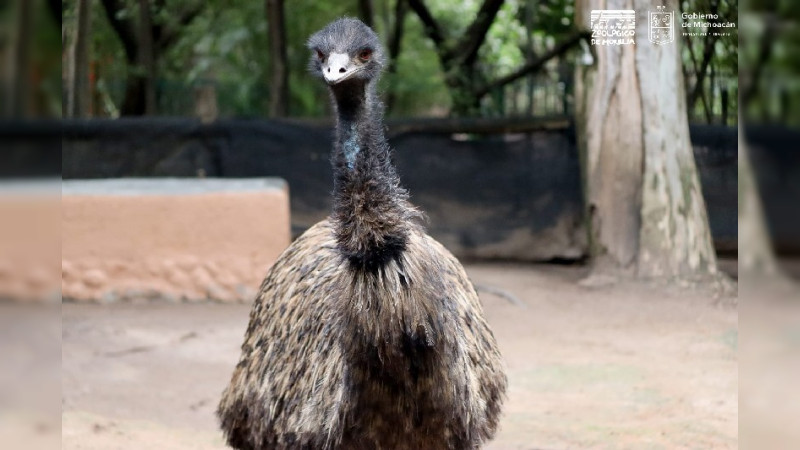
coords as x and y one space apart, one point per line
465 81
751 79
143 43
205 103
709 44
698 87
78 93
529 14
56 9
395 43
366 12
614 159
133 103
147 56
535 64
756 254
279 74
18 67
458 57
647 216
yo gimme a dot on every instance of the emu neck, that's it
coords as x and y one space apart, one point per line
370 210
353 130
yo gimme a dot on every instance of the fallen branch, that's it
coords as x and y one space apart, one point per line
500 293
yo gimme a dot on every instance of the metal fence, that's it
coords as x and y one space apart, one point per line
532 96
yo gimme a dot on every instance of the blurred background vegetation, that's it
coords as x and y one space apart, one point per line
769 61
238 58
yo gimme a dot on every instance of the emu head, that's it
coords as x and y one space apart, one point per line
346 49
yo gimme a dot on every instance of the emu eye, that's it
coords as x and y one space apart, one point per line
320 55
365 54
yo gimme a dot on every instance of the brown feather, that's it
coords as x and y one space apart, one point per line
367 333
398 359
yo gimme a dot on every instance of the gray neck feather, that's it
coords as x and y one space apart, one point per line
371 213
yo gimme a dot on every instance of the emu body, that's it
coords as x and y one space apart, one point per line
367 333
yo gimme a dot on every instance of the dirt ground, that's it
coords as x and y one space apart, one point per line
622 367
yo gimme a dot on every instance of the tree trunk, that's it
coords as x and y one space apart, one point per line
756 255
18 63
143 43
709 45
65 63
366 12
529 16
133 104
395 42
458 57
279 74
147 57
463 82
78 92
647 216
614 151
205 103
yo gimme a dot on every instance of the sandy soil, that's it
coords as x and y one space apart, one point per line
622 367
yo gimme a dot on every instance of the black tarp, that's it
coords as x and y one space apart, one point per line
491 188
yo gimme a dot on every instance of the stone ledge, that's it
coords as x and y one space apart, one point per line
170 186
171 239
30 240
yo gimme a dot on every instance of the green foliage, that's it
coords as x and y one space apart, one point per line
419 82
308 96
226 45
721 74
502 52
41 44
454 17
45 59
109 66
773 69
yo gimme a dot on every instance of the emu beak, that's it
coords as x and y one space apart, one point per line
337 68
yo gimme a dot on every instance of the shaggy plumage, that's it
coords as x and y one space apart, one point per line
367 333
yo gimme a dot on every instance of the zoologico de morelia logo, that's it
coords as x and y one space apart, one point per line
618 26
613 26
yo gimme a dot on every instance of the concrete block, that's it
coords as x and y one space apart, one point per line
171 239
30 240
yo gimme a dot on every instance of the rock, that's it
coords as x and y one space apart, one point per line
95 278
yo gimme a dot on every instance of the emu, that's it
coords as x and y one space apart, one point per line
367 333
